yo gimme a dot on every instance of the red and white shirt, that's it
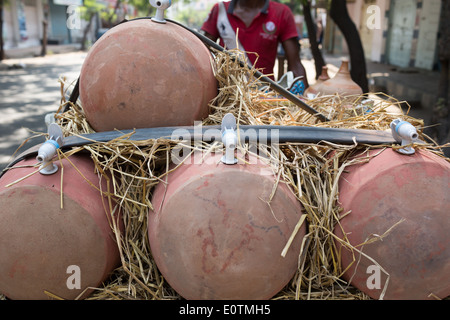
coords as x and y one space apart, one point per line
275 23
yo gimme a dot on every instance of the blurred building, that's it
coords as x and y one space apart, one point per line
23 22
402 33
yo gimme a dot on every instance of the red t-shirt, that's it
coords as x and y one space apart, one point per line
275 23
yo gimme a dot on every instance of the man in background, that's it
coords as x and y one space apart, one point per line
259 25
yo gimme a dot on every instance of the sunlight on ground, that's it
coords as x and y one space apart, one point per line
27 94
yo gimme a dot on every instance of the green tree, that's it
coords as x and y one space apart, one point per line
111 14
191 17
143 7
88 11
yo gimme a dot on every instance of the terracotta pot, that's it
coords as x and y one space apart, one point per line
341 83
379 194
213 236
315 88
44 247
143 74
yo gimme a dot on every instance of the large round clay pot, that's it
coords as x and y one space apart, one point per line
143 74
409 197
44 247
213 234
341 84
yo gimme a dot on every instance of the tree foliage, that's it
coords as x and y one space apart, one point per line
191 17
90 8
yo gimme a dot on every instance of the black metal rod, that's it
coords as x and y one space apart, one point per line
267 133
264 134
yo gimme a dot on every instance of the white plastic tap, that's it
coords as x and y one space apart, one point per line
229 138
48 150
405 134
160 6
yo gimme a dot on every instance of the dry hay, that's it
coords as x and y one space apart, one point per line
134 168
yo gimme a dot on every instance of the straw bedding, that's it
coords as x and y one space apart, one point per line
134 168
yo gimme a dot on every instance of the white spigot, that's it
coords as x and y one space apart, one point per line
48 150
160 6
50 118
229 138
405 134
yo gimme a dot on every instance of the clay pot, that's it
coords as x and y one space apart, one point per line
143 74
44 247
213 236
315 88
341 84
379 194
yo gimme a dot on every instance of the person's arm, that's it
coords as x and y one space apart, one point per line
292 52
209 35
209 27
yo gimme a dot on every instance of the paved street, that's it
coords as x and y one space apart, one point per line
27 94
